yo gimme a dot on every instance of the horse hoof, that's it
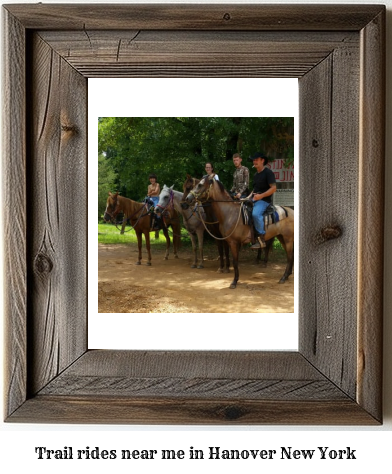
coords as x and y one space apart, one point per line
166 258
176 256
226 270
282 280
137 263
193 266
220 270
148 264
233 286
200 266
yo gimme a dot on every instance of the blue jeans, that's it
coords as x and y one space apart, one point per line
155 200
259 208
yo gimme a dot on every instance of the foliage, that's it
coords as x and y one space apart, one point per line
107 179
171 147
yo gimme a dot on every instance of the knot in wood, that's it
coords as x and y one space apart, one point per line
315 143
68 128
232 413
43 264
327 233
227 16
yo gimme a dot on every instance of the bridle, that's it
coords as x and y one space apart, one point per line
116 211
115 206
198 195
170 203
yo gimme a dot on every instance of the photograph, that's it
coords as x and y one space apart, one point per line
192 208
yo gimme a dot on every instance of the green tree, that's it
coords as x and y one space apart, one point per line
106 181
171 147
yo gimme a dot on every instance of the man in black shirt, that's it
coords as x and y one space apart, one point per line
264 186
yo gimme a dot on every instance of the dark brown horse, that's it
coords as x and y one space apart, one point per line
232 228
212 226
137 213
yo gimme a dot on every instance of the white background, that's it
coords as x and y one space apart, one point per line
17 442
186 98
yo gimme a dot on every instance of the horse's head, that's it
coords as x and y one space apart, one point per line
111 210
188 185
201 192
165 199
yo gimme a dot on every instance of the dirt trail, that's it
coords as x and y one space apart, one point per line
171 286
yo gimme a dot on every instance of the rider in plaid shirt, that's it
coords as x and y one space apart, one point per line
241 178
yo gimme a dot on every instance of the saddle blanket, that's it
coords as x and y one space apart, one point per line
279 213
271 216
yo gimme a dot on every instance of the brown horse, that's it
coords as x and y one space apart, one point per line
137 213
228 213
223 246
212 226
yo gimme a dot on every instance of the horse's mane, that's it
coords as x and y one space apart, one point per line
127 202
222 188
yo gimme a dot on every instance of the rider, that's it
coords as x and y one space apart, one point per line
264 185
209 167
153 192
153 189
240 178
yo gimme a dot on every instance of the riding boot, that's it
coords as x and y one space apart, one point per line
260 243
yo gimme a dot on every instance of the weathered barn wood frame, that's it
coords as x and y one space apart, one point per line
337 53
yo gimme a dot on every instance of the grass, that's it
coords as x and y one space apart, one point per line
110 234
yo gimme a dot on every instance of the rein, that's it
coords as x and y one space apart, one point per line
117 210
197 196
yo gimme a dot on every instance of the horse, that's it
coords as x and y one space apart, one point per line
212 225
229 214
140 218
171 199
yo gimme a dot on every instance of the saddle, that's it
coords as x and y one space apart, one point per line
272 215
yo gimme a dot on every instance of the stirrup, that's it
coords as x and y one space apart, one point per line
260 244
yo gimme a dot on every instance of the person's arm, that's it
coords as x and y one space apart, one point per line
245 183
269 192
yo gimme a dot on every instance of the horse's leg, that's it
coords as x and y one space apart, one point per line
266 252
200 238
123 224
227 255
219 243
176 239
194 248
289 248
148 246
235 248
166 234
156 234
139 245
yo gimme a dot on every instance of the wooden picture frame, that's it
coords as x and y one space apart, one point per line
338 54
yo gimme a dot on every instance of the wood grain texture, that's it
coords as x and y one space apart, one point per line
194 17
14 223
371 220
155 411
338 53
206 374
194 53
329 97
57 210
